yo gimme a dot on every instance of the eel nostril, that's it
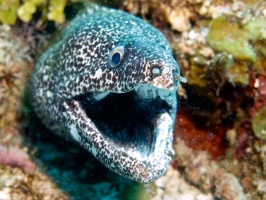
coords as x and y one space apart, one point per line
178 77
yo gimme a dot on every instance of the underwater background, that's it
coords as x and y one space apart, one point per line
220 128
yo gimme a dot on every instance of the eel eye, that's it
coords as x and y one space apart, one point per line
115 57
156 71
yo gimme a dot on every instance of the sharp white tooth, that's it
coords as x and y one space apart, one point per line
154 92
99 95
163 94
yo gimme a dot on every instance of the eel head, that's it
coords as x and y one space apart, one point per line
125 109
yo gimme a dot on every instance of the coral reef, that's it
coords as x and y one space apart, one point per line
201 171
19 176
173 186
17 158
15 67
14 184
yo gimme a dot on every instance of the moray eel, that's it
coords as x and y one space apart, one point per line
109 82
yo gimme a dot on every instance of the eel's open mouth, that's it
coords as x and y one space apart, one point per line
136 124
131 120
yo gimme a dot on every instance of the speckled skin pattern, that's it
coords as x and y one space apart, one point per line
81 62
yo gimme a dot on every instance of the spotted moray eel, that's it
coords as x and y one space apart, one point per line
110 83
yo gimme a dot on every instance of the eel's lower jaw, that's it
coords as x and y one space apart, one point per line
142 163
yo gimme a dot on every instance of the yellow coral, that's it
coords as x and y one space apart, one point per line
56 10
8 9
26 11
52 10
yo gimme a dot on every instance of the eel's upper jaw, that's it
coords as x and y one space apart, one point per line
128 130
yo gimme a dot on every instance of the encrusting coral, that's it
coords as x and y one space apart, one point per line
15 67
19 176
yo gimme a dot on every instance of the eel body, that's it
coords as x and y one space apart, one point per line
109 83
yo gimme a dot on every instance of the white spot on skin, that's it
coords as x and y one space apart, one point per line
100 95
74 132
133 23
45 78
98 74
112 165
49 94
93 151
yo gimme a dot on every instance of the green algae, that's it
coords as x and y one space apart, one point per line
259 124
137 191
221 66
237 74
231 38
256 28
197 72
244 41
